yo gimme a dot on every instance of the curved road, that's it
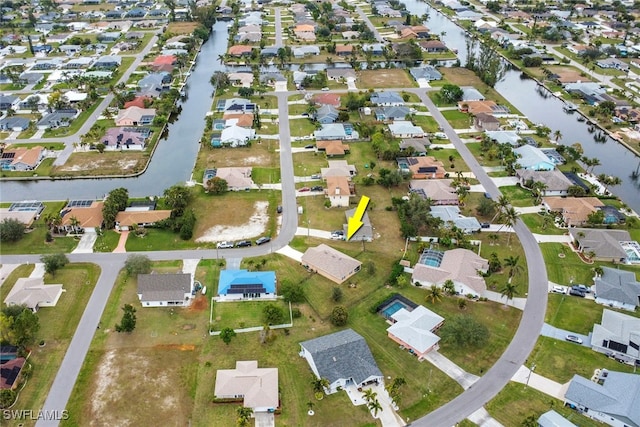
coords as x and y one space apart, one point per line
458 409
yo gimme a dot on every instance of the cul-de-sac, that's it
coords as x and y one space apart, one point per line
320 213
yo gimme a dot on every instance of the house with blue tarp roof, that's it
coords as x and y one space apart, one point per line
245 284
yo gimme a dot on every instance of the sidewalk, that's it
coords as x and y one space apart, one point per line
122 242
518 303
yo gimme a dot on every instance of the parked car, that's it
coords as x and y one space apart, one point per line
263 240
337 235
310 146
317 188
224 245
325 89
279 209
558 290
316 176
573 338
582 288
576 293
485 225
304 189
243 243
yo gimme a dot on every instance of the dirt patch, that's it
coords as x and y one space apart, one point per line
383 78
181 347
102 164
257 155
254 227
134 386
199 303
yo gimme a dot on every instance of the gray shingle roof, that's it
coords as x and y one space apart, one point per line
163 287
344 354
604 243
618 285
618 396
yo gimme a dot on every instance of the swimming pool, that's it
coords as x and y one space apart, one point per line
431 257
394 307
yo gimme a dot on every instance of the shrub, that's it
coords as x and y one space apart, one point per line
296 313
339 316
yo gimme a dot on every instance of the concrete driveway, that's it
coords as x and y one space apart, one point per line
452 370
388 415
561 334
85 246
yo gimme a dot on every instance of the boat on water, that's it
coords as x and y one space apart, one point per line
569 107
581 118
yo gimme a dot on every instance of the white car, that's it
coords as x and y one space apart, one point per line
559 290
225 245
573 338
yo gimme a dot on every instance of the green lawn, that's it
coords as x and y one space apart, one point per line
301 127
34 242
457 119
428 123
57 326
107 241
444 154
518 196
562 270
246 314
535 223
265 175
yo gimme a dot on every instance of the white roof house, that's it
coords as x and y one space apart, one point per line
458 265
236 136
257 386
238 178
617 288
33 293
617 334
415 329
405 129
533 158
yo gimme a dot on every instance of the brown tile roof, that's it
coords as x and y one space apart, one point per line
128 218
88 217
475 107
338 186
331 262
344 48
244 120
327 99
165 59
239 49
416 165
575 210
138 101
332 147
304 28
27 156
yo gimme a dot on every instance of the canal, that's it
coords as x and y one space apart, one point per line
175 154
542 107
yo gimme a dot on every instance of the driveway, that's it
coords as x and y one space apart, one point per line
264 419
85 246
388 416
302 231
452 370
528 377
561 334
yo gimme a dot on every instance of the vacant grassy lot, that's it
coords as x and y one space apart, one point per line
382 78
107 163
569 267
452 166
517 195
310 163
179 28
57 326
535 223
428 123
258 154
246 314
301 127
457 119
515 403
34 242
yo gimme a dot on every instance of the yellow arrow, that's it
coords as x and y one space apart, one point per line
355 222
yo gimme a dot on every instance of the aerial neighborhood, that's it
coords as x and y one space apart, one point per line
294 212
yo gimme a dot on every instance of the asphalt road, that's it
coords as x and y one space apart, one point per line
278 42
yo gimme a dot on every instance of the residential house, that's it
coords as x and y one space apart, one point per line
108 62
425 74
438 191
415 146
77 63
305 32
553 419
555 182
33 293
14 124
332 148
433 46
152 85
140 101
532 158
165 63
58 118
240 50
125 138
135 116
83 215
451 217
326 114
385 114
9 102
574 211
235 285
486 106
164 290
332 99
339 191
10 372
612 63
304 51
236 136
244 120
258 387
241 78
617 288
330 263
108 36
338 168
341 74
510 137
236 105
470 93
425 167
35 102
617 335
612 398
405 129
22 158
416 329
335 131
386 98
376 49
344 359
70 49
132 217
604 244
238 178
270 52
25 212
461 266
486 122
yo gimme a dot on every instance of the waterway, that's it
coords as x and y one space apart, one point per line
174 156
542 107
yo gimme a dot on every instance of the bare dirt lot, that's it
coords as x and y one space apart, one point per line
254 226
371 79
128 373
256 155
102 164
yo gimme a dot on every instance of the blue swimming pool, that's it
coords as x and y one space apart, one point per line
431 257
393 308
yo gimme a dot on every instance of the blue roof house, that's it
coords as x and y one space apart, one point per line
245 284
532 158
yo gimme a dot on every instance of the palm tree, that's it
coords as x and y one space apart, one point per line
434 295
449 287
319 384
598 271
509 218
493 238
538 188
557 135
374 406
509 291
502 204
370 395
513 262
244 416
